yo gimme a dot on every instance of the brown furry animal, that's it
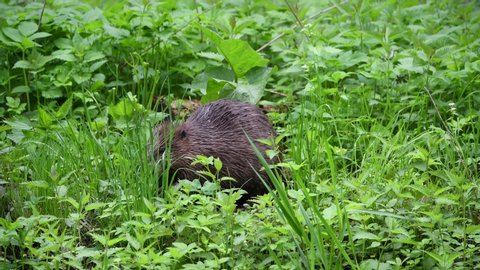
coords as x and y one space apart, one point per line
218 129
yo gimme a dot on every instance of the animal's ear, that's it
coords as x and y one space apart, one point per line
183 134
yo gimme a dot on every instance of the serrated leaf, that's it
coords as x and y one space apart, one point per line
93 55
21 89
99 238
117 33
332 50
241 56
64 109
18 124
210 55
339 75
65 55
64 44
151 207
330 212
85 199
27 28
24 64
13 34
122 109
44 118
215 90
92 15
52 92
132 241
365 235
93 206
36 184
214 37
97 65
407 64
8 42
61 191
39 35
81 77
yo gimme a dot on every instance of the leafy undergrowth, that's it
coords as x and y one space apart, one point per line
376 103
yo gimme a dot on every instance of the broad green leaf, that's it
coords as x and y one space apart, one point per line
65 55
247 92
61 191
408 64
117 33
44 118
52 92
214 37
19 124
216 89
99 238
36 184
27 43
123 109
93 55
27 28
64 109
211 55
339 75
365 235
133 242
240 56
13 34
81 77
94 206
6 41
39 35
24 64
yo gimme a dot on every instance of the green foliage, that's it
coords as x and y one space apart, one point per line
375 104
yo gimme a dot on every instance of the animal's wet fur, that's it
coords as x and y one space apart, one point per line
218 129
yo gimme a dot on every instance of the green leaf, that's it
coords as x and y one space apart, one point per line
93 55
132 241
23 64
339 75
240 56
61 191
211 55
39 35
21 89
214 37
13 34
253 91
123 109
216 89
217 163
27 28
65 55
365 235
407 64
52 92
36 184
117 33
13 102
64 109
44 118
93 206
99 238
18 124
247 92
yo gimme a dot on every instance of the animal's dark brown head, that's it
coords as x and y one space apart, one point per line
172 141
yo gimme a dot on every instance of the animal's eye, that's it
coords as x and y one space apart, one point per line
183 134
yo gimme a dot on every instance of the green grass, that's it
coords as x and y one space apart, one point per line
376 104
